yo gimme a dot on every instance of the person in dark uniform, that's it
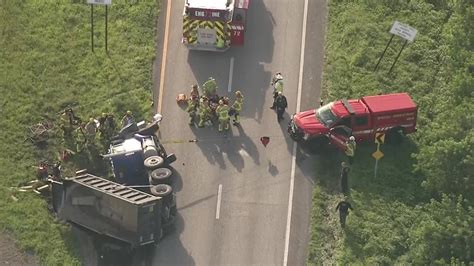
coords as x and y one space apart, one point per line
344 176
343 208
281 104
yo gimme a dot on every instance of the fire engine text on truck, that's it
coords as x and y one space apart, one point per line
335 122
214 25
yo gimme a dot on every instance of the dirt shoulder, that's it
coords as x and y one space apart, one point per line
10 254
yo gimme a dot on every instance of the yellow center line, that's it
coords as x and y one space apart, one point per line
163 57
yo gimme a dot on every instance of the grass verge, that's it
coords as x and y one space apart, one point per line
418 210
47 65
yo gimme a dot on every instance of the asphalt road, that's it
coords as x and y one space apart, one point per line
233 193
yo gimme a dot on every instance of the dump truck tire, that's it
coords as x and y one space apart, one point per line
160 176
161 190
153 162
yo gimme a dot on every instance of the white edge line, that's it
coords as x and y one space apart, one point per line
218 209
293 159
231 73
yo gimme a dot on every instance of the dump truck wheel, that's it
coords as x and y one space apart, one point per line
160 176
153 162
161 190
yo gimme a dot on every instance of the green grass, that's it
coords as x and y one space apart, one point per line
418 210
47 65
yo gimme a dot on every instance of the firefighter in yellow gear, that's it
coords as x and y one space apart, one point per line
80 137
192 109
127 119
210 87
67 122
351 146
223 112
205 112
236 108
90 130
194 95
277 83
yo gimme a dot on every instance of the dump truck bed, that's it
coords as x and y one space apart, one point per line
110 209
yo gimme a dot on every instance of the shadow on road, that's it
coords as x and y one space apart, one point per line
207 139
214 145
170 250
177 180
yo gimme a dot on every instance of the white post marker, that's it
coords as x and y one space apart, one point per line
231 73
219 196
293 159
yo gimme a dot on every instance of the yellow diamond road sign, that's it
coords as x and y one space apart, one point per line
377 154
379 137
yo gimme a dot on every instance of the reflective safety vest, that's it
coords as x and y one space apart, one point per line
223 111
237 106
350 150
204 110
278 87
79 135
192 106
210 86
90 128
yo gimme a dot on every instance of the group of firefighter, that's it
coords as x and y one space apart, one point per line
85 134
209 107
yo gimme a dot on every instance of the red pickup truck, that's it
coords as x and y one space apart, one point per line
335 122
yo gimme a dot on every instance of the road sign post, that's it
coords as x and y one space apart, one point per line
405 32
105 3
379 139
92 27
386 47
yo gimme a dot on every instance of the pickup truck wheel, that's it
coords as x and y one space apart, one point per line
161 190
315 145
153 162
160 176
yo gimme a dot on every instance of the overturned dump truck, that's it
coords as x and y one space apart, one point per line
113 210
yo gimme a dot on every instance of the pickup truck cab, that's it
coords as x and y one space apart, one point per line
335 122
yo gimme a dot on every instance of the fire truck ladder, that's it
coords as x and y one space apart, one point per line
112 188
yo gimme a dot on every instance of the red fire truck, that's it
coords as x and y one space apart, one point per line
335 122
214 25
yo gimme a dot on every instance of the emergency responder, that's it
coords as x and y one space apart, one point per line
102 126
344 176
343 206
281 104
204 112
192 109
210 87
351 146
194 92
91 130
127 119
277 83
80 137
110 125
223 112
56 171
236 108
67 121
105 133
